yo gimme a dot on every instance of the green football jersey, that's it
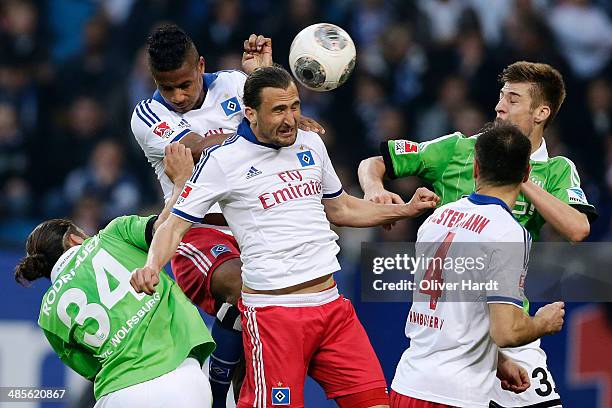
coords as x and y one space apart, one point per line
447 163
100 327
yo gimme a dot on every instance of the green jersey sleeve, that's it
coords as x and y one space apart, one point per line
426 160
83 363
564 183
133 229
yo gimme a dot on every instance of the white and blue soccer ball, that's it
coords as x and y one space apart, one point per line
322 57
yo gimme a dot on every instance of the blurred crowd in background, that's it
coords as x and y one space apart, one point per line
71 71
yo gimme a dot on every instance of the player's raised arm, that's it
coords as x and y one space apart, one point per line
257 53
178 166
371 173
348 211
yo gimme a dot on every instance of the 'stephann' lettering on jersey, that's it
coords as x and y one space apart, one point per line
294 191
51 297
405 146
451 218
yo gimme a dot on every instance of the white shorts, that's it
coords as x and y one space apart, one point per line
186 386
542 390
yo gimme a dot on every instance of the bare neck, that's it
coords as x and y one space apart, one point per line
507 194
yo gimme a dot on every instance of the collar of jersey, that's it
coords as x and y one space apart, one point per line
541 153
481 199
208 80
61 262
244 130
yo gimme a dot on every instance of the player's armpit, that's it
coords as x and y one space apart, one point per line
197 144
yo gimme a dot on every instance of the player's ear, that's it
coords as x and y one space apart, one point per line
527 171
251 115
75 239
201 65
542 113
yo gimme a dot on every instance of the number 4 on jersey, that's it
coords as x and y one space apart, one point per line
434 272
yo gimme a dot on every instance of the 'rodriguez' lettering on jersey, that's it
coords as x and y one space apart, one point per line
271 198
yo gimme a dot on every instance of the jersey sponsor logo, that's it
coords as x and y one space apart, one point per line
404 147
252 173
575 195
290 192
305 158
186 191
219 249
163 130
231 106
281 396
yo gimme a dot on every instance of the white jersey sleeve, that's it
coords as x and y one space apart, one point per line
154 127
332 186
508 267
207 185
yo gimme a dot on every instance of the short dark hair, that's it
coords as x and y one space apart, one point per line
44 247
168 47
266 77
502 153
547 84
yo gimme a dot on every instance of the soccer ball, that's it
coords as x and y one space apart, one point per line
322 57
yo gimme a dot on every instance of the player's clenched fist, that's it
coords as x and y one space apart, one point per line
257 53
144 280
178 162
422 200
551 316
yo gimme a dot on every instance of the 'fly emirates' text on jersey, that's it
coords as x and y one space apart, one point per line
271 199
452 359
155 124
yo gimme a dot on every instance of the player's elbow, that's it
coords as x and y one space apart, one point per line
581 231
505 335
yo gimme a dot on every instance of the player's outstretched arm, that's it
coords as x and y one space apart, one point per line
348 211
511 327
567 221
164 244
178 165
513 377
371 172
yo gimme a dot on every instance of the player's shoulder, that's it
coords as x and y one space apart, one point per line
560 163
309 137
230 78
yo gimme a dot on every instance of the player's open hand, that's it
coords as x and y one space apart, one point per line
309 124
257 53
422 200
513 377
144 280
552 317
178 162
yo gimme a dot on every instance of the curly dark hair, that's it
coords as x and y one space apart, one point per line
168 47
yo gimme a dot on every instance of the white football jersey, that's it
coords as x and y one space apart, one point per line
271 199
155 124
452 359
